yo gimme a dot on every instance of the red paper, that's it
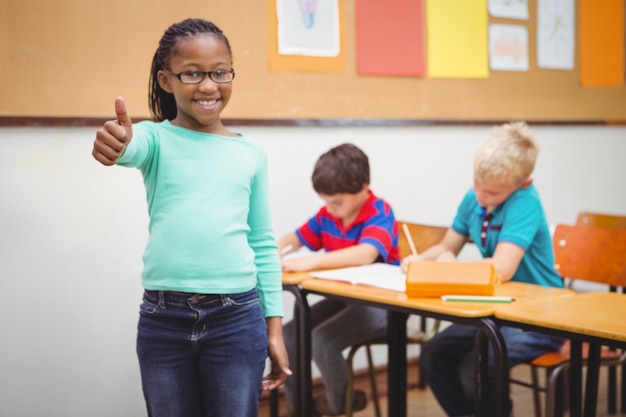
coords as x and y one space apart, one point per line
390 36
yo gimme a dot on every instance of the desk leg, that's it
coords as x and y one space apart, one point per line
302 315
575 383
591 386
482 367
396 368
623 390
489 332
612 390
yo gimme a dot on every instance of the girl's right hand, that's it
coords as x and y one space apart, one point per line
112 138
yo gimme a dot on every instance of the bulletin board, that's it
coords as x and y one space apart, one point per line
69 59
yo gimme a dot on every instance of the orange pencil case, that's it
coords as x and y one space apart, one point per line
434 279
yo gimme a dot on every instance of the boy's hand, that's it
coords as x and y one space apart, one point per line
112 138
404 265
301 263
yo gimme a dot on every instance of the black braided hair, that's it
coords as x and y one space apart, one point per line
162 104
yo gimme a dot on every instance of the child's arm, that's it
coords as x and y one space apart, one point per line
288 243
452 242
279 370
112 138
362 254
446 250
506 259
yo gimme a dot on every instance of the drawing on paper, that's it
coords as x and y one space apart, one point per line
308 12
308 27
555 34
508 47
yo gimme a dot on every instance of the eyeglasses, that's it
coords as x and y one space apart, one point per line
219 76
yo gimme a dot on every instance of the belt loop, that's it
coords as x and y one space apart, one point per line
225 299
162 299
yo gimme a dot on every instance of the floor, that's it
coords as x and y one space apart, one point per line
421 403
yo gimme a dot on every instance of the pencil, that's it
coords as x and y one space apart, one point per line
409 238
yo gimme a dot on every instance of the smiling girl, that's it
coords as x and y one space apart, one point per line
212 304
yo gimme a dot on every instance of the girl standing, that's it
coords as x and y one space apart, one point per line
212 304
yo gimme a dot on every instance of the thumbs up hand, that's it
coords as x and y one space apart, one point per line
112 138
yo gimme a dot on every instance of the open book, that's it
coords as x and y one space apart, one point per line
378 275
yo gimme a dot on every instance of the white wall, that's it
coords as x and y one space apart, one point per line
72 233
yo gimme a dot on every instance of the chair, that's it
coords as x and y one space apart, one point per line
424 236
581 253
603 221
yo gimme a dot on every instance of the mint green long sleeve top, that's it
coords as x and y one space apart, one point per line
210 228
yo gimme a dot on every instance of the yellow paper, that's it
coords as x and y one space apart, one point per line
457 38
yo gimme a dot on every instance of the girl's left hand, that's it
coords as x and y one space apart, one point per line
279 370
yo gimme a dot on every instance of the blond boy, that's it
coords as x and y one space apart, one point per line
503 216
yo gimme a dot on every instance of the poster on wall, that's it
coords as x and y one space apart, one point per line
508 47
602 43
555 34
306 35
308 27
456 39
390 37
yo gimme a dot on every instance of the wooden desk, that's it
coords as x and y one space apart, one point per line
400 306
294 278
597 318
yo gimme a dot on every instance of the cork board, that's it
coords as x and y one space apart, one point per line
71 58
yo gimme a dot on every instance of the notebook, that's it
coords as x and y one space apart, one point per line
378 274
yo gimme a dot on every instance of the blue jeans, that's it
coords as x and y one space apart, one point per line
201 355
336 325
448 361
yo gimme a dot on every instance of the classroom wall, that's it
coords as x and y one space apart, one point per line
72 233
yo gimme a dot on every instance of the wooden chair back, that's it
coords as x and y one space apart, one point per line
591 253
601 220
424 236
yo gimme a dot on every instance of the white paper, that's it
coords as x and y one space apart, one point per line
378 275
555 34
308 27
508 47
511 9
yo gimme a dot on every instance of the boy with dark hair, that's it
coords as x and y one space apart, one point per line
354 227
